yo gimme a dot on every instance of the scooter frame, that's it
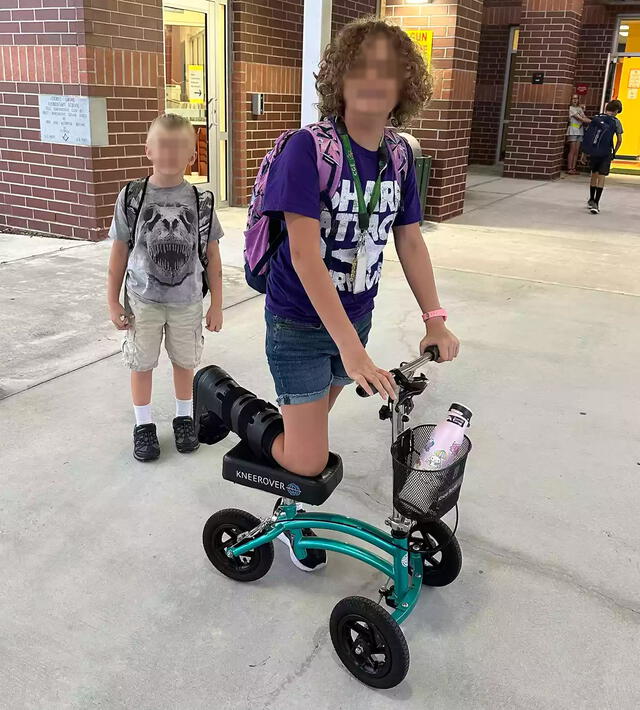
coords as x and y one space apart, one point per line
405 568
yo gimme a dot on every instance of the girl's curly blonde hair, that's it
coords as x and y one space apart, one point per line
340 55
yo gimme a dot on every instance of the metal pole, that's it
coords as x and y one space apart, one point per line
316 35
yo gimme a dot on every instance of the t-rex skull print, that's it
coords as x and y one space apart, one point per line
169 232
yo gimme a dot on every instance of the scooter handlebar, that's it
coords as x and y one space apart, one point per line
408 368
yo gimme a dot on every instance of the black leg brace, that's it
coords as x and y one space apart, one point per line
220 405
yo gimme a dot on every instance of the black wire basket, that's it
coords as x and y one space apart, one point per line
418 493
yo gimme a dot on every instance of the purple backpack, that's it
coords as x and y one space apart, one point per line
264 234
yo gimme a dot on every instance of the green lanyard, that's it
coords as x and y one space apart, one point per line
364 211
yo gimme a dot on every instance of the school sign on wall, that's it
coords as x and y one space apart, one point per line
424 40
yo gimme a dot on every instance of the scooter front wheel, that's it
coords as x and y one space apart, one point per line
444 566
221 531
369 642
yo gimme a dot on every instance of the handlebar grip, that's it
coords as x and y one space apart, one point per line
434 351
363 393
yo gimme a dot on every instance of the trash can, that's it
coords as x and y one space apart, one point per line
423 170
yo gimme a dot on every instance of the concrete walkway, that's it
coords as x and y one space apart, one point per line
107 600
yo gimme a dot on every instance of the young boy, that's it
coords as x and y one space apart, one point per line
601 165
163 273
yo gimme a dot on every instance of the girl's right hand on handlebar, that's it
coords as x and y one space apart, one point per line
361 368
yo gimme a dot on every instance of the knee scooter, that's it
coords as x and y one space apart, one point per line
420 550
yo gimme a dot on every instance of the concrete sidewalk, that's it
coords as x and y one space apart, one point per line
108 600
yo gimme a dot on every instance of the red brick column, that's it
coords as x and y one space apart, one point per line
444 128
549 35
96 48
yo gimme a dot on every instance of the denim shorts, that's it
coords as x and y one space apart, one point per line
303 359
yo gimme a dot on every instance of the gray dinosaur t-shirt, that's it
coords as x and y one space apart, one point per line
164 265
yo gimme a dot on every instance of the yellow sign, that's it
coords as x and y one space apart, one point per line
195 83
424 40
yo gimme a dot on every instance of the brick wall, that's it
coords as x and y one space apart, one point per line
344 11
444 127
538 116
50 48
596 41
267 58
39 182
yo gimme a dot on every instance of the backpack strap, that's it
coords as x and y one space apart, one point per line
401 154
134 193
328 155
204 211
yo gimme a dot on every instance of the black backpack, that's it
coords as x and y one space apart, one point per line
134 193
598 136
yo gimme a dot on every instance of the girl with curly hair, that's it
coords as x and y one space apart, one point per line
324 278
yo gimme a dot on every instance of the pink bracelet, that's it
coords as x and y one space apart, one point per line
438 313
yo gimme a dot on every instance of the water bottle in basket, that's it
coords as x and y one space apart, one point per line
445 440
428 465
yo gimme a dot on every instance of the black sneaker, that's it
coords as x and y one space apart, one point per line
590 204
313 560
184 431
594 208
146 446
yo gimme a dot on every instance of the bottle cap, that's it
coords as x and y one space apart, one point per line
466 413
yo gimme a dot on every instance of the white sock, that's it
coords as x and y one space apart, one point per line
183 407
143 414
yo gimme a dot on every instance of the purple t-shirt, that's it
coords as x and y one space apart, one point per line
293 186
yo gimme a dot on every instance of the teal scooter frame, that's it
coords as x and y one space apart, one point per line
404 569
419 551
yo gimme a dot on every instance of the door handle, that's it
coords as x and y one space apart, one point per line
213 114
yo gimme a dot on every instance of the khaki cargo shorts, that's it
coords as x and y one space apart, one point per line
181 325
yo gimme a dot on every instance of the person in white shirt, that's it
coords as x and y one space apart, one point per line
575 131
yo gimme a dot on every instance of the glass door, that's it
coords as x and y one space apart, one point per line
195 44
622 81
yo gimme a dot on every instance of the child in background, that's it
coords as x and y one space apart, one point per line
575 131
601 165
162 248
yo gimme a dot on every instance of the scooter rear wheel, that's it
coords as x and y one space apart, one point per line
369 642
221 531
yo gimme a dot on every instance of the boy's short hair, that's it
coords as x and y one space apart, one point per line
614 105
171 122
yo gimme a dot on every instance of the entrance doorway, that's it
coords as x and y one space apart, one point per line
514 36
622 81
195 52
